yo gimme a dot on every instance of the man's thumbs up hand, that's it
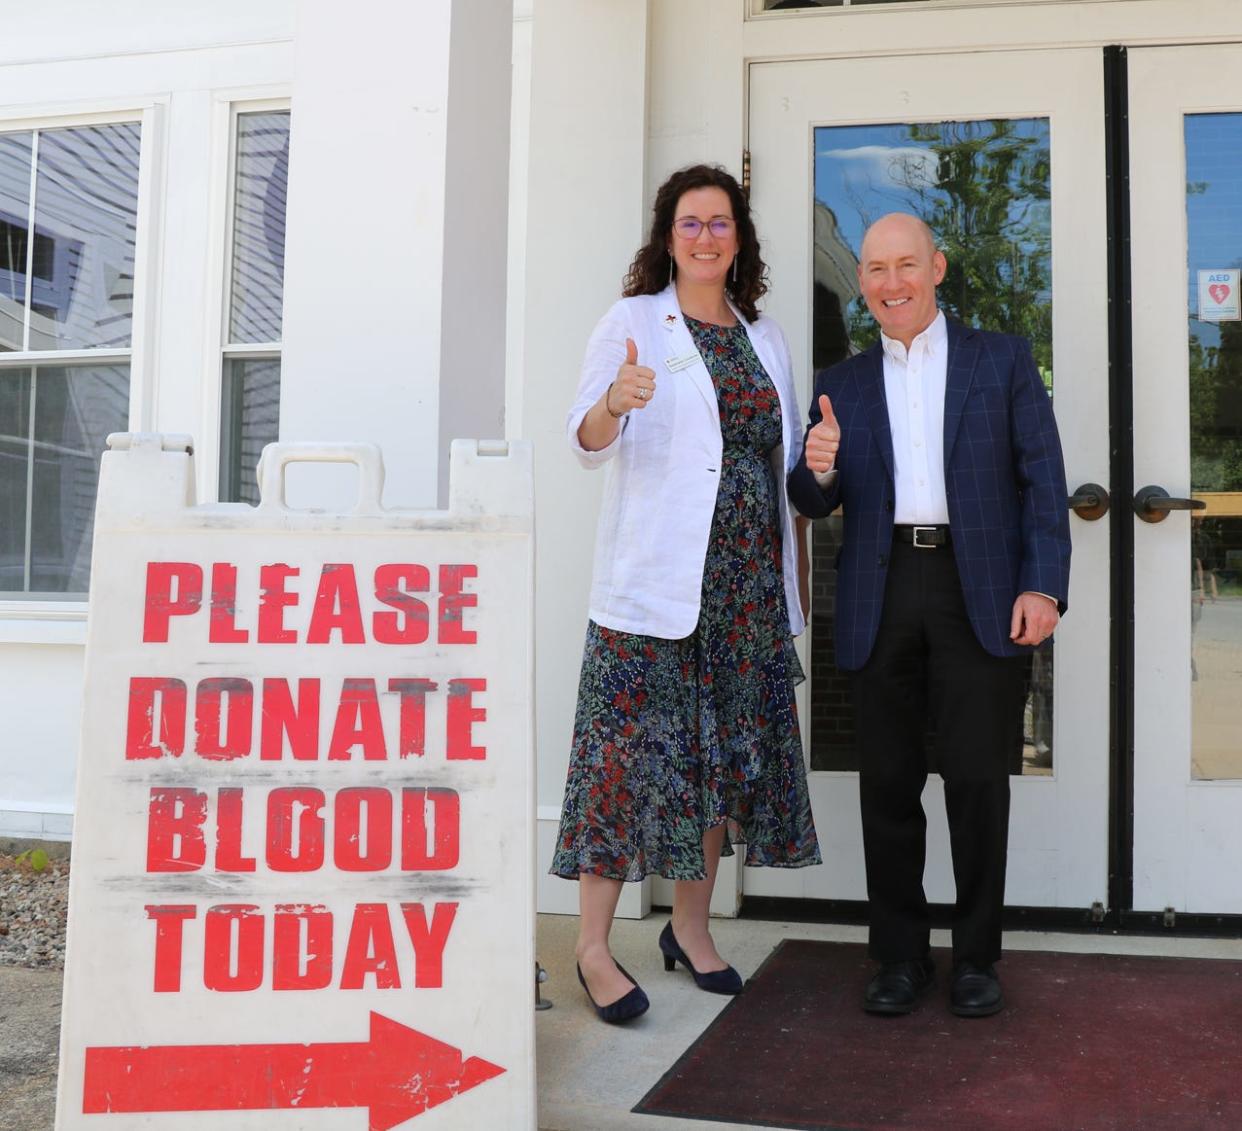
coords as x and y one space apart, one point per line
823 440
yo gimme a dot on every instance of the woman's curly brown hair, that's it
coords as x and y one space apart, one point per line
649 273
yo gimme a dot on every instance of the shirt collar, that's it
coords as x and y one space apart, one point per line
929 341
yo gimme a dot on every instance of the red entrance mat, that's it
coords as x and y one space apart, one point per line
1088 1041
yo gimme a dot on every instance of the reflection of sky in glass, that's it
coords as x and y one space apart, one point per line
862 172
1213 204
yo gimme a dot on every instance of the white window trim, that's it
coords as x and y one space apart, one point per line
63 621
229 104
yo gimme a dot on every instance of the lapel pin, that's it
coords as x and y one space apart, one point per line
670 319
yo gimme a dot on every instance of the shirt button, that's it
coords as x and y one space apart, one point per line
882 560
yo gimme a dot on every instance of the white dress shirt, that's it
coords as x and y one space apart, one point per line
914 382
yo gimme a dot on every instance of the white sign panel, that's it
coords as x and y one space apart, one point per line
1218 296
302 892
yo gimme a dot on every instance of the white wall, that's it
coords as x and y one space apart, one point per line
173 66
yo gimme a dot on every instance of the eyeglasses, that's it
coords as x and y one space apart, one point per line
689 227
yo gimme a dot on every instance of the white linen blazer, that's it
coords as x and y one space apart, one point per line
664 468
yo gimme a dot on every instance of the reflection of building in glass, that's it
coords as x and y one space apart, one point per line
836 286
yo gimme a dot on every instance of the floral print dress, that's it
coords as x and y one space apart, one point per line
673 737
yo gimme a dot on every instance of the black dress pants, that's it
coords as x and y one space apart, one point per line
928 668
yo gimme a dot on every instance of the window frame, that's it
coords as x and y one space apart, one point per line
229 105
50 619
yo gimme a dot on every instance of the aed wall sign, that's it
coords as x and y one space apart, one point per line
303 893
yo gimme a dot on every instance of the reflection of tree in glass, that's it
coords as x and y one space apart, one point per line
984 191
1216 411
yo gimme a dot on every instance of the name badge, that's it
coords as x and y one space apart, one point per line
677 364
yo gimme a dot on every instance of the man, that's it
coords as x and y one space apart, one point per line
940 445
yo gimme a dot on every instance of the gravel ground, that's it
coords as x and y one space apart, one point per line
33 906
32 955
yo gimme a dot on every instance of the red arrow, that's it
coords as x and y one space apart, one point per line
399 1073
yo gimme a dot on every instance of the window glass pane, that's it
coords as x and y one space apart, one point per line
984 189
14 469
250 419
257 285
86 217
75 410
1214 247
14 231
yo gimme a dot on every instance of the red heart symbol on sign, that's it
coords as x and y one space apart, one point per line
1219 292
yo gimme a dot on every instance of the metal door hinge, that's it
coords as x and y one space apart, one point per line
1097 912
1170 917
746 172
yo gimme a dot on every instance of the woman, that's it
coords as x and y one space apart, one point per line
686 735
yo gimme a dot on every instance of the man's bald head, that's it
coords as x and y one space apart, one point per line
898 272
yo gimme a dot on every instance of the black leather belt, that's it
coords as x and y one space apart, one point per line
922 537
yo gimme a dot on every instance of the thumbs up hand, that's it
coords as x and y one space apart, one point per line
823 440
634 385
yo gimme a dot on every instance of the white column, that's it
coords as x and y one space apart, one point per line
586 212
395 254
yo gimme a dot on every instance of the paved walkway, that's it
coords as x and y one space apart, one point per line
29 1038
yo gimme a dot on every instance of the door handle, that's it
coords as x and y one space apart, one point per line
1090 501
1152 504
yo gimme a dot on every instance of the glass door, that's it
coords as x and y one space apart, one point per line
1186 213
1008 170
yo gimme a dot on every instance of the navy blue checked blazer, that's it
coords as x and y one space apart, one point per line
1004 479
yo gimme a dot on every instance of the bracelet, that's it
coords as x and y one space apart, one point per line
608 405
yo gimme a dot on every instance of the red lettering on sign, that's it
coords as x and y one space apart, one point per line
224 628
358 723
174 589
362 846
274 599
223 717
280 718
336 607
175 819
393 586
149 698
233 948
452 603
371 950
169 920
295 839
229 856
428 940
412 736
430 829
301 947
462 715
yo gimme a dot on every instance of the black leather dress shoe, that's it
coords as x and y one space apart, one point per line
897 985
975 991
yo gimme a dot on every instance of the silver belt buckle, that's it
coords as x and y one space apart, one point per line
923 545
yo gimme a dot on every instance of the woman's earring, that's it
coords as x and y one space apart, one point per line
670 270
735 270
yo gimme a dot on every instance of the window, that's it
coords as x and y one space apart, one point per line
68 222
250 378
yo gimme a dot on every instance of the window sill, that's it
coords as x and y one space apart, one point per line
43 622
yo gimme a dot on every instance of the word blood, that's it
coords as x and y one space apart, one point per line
367 831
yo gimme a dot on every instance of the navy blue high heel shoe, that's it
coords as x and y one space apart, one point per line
726 981
634 1004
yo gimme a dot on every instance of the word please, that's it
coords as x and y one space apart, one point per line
177 589
225 708
236 953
